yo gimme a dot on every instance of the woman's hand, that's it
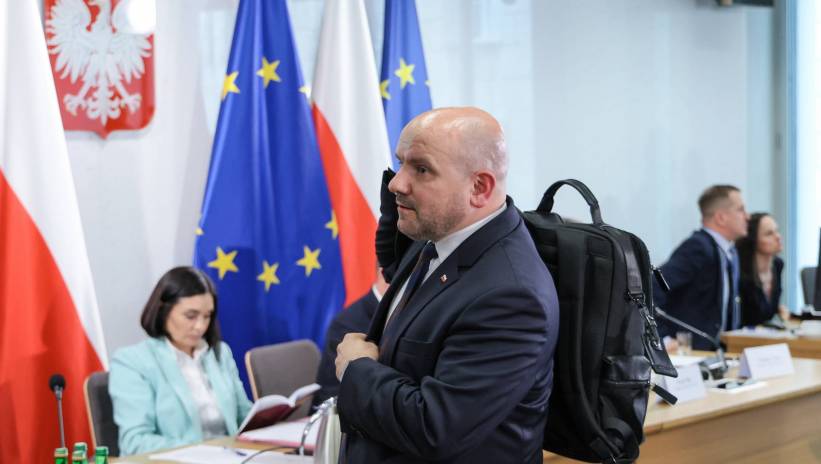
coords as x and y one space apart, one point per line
784 312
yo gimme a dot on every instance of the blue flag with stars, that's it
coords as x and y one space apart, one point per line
267 234
404 79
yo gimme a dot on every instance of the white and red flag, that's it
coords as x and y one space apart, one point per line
103 68
49 322
352 135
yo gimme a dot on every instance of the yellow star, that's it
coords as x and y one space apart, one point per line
332 225
199 231
310 261
268 71
269 275
228 85
224 262
306 89
383 89
405 73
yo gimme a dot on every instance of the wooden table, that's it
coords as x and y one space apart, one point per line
779 422
800 347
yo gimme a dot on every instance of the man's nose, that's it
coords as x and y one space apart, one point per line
397 184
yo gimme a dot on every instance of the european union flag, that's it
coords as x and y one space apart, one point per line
267 235
404 80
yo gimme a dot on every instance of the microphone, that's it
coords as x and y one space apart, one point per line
716 373
57 383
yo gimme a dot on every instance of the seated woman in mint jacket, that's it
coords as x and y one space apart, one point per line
180 386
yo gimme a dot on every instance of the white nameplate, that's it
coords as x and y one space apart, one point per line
688 385
764 362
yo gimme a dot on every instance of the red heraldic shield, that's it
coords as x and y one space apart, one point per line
103 71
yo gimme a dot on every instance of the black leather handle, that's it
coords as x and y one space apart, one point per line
546 204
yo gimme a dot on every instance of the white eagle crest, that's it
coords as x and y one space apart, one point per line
101 55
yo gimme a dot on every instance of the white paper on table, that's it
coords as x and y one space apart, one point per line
809 329
209 454
746 387
680 360
284 434
765 332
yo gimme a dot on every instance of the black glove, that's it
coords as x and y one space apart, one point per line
390 244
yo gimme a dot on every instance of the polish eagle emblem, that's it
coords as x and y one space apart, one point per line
96 64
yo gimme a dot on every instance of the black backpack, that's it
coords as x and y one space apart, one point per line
608 340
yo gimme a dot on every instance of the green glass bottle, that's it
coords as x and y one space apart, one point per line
61 456
80 446
101 455
78 457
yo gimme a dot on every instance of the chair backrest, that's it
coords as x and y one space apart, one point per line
282 368
808 284
104 430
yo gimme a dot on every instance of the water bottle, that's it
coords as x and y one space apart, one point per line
101 455
61 456
79 453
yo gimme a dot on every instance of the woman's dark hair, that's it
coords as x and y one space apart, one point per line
746 247
177 283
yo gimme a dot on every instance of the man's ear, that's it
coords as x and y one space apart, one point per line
720 217
484 184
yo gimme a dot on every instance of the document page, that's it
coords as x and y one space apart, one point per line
209 454
284 434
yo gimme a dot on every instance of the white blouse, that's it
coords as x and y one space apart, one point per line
213 424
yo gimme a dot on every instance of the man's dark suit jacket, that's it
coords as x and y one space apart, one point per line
756 308
695 277
465 370
354 318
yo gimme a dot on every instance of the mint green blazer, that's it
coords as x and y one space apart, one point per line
152 403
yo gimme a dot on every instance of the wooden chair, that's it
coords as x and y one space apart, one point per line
282 368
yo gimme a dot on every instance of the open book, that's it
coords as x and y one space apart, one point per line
271 409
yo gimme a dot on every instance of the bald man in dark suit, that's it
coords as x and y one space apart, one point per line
457 365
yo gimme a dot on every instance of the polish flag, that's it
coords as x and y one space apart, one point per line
48 310
352 136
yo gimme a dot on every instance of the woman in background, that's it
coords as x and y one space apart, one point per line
181 385
760 285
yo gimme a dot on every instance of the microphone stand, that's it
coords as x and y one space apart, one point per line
719 351
58 391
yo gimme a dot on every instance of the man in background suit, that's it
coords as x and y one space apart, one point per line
703 272
457 363
354 318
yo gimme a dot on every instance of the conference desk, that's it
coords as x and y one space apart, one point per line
777 422
800 346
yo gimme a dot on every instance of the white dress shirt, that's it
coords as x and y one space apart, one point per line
213 424
444 248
